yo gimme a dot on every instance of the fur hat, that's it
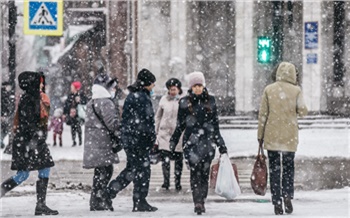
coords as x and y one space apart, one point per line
196 78
58 112
145 77
77 85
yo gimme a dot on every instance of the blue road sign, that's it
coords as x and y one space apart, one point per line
43 17
311 35
311 58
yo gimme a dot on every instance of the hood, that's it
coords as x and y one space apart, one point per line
286 72
30 82
99 91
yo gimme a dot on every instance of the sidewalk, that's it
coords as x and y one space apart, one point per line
326 203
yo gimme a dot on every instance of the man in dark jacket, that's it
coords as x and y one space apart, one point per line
138 137
30 151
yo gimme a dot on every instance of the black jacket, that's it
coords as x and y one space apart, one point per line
197 116
29 149
138 125
72 103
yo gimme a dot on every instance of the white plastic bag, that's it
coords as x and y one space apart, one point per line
226 183
81 110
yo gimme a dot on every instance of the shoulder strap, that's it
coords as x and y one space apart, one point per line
98 117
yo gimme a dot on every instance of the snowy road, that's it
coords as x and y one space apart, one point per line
326 203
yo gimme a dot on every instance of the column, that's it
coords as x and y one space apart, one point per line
244 70
312 62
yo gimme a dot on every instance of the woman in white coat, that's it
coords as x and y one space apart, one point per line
165 126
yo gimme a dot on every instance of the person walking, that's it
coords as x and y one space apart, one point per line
137 137
74 98
75 122
198 118
102 120
281 103
56 124
29 149
165 125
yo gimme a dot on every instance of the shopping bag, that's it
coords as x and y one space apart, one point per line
81 111
214 173
226 183
258 179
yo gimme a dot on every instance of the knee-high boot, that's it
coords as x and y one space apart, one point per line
7 186
41 189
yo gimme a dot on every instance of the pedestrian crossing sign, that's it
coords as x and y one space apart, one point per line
43 17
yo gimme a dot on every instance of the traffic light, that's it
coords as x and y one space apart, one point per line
264 49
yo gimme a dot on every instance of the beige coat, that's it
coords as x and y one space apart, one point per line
166 118
281 103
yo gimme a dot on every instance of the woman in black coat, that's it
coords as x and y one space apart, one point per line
138 137
29 149
198 117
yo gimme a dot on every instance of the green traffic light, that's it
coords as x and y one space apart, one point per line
264 49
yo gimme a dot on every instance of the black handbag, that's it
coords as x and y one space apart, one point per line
115 139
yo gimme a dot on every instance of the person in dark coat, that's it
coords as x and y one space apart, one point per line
138 137
101 120
197 116
75 122
74 98
30 151
5 110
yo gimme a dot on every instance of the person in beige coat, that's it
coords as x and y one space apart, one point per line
281 103
166 117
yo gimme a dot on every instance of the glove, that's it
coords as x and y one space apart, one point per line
223 150
172 146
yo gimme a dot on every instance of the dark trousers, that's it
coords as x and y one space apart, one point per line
55 134
74 130
138 171
166 157
101 178
199 174
286 187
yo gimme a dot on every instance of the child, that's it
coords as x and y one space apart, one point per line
74 121
57 125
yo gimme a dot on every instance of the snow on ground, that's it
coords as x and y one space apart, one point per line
329 203
240 143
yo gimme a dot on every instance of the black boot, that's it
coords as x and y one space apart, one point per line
143 206
178 186
288 207
166 174
278 209
199 208
7 186
41 208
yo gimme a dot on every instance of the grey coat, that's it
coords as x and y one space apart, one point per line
97 144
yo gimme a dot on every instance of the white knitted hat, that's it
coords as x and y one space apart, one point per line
196 78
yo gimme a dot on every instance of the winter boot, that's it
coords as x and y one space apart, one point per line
7 186
166 174
143 206
41 189
199 208
74 144
178 186
288 207
278 209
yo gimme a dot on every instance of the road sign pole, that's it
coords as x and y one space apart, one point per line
12 49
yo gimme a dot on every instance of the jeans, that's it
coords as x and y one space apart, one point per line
284 188
22 176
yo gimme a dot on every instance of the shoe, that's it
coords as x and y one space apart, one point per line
143 206
41 189
278 209
178 188
54 144
288 207
165 186
199 208
60 144
80 143
74 144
